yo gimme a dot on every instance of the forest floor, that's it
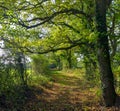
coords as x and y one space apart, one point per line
65 92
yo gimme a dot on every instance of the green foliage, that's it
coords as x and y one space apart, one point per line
36 80
10 84
40 64
54 25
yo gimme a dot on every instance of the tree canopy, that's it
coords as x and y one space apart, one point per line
87 27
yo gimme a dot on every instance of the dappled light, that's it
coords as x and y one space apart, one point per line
66 92
59 55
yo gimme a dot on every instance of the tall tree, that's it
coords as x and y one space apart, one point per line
107 78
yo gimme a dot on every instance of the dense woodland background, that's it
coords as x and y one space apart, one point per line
59 49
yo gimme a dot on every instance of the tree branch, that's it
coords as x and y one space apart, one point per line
72 44
48 18
67 25
53 50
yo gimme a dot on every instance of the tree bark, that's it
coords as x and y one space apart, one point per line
107 78
69 59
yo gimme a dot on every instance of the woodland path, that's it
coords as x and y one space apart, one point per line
66 92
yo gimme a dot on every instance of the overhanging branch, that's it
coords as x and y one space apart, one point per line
53 50
48 18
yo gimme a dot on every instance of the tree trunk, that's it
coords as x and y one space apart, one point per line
107 78
21 69
69 59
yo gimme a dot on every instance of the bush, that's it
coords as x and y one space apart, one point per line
40 64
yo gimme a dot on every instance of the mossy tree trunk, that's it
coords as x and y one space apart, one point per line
107 78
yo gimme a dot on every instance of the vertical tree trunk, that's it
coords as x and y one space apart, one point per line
107 78
69 59
21 69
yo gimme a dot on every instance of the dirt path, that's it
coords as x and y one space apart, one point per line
67 92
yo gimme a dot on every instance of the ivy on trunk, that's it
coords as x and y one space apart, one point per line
107 78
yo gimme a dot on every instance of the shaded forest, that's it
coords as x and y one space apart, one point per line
59 55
